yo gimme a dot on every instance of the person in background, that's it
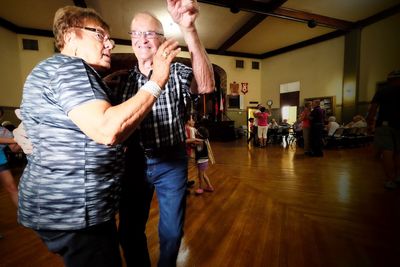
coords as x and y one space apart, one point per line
273 124
202 159
256 141
191 142
285 126
298 132
160 149
262 130
317 117
251 130
305 121
357 122
387 128
69 191
6 177
332 125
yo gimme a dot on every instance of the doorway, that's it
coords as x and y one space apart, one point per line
289 113
289 105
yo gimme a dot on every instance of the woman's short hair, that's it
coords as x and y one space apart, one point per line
331 118
72 16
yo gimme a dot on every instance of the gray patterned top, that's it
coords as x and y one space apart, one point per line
70 181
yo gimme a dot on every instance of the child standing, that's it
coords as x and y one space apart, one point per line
251 130
202 158
191 142
6 177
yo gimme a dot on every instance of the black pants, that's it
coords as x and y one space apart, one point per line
93 246
132 215
316 139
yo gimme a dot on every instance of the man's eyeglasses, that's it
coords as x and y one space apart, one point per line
147 35
100 36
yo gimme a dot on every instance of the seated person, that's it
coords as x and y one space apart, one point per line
285 124
332 125
298 131
285 129
273 124
357 122
298 125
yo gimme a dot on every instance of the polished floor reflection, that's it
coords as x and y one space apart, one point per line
272 207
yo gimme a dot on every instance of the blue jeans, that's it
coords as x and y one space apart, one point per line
167 175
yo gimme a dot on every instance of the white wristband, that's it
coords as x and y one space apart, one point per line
152 87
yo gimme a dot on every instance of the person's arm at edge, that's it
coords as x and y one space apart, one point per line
5 140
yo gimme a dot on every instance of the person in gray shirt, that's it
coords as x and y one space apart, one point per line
69 191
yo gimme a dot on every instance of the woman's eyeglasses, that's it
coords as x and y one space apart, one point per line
100 36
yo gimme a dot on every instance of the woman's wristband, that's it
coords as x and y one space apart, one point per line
152 88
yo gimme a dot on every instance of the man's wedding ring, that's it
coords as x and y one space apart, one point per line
165 54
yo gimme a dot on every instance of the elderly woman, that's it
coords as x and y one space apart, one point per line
69 190
332 125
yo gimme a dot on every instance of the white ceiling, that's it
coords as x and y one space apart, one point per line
216 24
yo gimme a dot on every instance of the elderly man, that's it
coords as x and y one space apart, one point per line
387 131
161 138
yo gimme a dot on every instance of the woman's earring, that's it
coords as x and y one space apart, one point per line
76 50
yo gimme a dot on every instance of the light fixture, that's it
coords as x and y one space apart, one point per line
311 23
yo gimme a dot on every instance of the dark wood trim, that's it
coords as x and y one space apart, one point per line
9 25
80 3
22 30
292 14
233 54
247 5
247 27
379 16
312 41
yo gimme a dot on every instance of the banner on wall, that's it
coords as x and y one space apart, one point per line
245 88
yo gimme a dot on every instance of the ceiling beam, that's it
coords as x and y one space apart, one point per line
379 16
23 30
247 27
296 15
247 5
80 3
273 8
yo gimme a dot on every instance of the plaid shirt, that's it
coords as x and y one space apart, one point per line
164 125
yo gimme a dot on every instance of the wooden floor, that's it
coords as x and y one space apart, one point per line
272 207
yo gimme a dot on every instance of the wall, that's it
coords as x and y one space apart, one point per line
319 68
380 54
29 58
247 74
10 78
